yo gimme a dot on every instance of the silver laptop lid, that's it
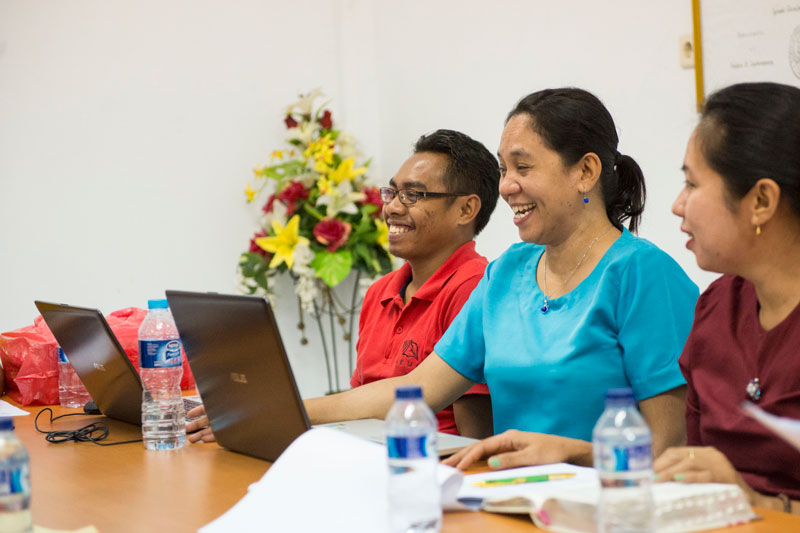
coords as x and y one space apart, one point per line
98 358
240 366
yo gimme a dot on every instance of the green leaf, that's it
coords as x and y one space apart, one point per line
368 209
365 253
332 268
311 210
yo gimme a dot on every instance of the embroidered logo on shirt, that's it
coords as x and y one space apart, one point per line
410 356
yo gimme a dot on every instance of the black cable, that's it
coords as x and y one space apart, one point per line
84 434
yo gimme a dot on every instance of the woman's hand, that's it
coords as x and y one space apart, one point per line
702 464
518 448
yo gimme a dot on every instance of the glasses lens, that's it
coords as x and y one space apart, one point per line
387 194
409 196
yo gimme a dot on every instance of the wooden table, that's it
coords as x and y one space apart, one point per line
110 487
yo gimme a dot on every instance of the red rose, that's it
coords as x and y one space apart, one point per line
373 197
290 194
256 248
290 122
332 232
326 121
268 207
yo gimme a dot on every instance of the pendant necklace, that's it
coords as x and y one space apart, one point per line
753 389
546 305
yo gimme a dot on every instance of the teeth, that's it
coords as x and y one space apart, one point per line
398 229
522 210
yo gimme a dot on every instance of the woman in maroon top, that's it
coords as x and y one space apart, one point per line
741 209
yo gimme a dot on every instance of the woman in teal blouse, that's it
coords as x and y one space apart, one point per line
553 324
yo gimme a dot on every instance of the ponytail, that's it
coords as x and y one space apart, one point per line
624 192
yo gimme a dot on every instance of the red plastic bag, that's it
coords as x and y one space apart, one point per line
125 325
30 359
30 362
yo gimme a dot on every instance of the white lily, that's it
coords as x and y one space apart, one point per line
341 199
306 102
304 132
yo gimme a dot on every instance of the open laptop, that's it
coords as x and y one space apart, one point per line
99 360
242 372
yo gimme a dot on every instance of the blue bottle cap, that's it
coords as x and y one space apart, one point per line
157 304
6 424
410 392
621 396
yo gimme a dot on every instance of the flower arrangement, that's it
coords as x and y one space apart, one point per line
320 218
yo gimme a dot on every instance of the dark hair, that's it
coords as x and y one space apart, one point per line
573 123
472 168
751 131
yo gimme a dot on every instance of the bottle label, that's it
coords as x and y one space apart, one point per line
160 354
625 458
15 478
414 447
62 358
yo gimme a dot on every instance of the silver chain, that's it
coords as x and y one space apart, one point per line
545 307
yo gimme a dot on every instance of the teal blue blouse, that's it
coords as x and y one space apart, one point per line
622 326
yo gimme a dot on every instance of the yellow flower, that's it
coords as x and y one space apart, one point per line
283 243
322 152
276 154
324 185
383 234
258 172
345 171
251 194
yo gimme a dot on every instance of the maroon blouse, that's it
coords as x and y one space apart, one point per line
726 349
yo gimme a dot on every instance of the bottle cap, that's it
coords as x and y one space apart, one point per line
62 358
157 304
618 397
6 424
410 392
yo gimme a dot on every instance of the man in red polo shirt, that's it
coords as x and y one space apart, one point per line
440 198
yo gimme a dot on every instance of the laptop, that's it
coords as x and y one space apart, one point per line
243 374
99 360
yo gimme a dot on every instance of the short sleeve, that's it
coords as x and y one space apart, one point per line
463 345
654 316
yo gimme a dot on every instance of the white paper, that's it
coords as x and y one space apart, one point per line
6 410
326 481
787 428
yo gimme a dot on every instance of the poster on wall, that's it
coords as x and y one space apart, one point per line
749 40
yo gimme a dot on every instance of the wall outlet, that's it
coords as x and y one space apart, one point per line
686 50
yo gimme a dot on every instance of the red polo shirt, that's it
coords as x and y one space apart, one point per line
393 338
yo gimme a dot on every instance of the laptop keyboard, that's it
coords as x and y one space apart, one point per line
189 403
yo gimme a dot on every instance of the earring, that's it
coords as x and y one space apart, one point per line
585 198
758 229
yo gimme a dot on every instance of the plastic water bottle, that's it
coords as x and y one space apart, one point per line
623 458
71 392
163 416
414 494
15 482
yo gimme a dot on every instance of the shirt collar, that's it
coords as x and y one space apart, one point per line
434 284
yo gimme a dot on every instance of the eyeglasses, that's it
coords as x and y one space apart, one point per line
410 196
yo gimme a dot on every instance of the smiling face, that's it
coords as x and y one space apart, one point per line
541 192
716 224
427 227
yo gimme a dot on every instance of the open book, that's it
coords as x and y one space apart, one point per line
330 481
570 505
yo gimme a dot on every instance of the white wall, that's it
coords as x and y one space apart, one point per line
128 130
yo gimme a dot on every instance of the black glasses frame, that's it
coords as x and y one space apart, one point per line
411 196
